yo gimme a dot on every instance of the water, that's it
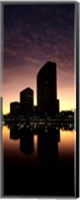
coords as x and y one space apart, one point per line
38 157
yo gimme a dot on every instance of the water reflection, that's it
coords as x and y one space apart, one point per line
47 142
14 133
48 158
35 157
26 141
48 146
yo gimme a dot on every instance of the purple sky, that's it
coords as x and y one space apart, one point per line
33 35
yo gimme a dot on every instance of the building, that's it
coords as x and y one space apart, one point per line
47 89
26 101
35 110
14 108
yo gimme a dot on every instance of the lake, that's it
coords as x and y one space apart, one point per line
38 163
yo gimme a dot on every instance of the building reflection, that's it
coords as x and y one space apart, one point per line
46 167
14 132
48 160
26 141
48 146
47 143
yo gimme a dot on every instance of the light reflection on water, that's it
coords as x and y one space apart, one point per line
19 149
45 158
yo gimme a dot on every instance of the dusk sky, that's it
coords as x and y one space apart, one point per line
33 35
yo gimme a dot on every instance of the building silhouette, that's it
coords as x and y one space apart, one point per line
26 101
47 102
14 108
35 110
47 89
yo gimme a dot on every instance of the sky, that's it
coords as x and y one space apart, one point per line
34 34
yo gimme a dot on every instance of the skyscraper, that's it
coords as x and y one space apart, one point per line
14 108
26 101
47 89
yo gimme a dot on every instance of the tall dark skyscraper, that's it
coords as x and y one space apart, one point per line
14 108
26 100
47 89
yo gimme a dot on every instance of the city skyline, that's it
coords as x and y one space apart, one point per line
46 95
40 33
